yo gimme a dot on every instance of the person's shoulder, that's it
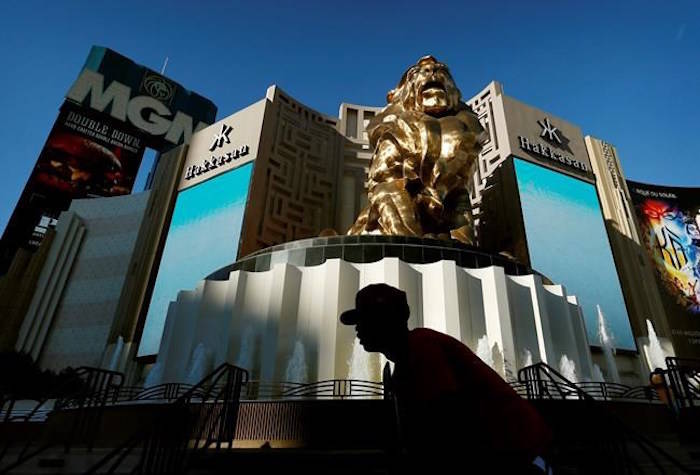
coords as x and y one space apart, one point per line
424 334
426 337
430 335
422 339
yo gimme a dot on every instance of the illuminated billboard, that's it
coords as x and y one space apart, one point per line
204 235
85 155
112 112
669 221
567 241
163 111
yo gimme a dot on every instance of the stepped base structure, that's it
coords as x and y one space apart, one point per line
275 312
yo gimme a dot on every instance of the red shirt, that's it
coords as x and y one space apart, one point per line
448 396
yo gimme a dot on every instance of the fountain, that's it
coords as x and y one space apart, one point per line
500 364
655 354
383 361
117 355
597 374
359 363
493 357
483 351
154 376
606 342
526 358
567 368
296 369
245 353
200 365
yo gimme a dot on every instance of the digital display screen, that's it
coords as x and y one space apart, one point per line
204 235
669 224
567 241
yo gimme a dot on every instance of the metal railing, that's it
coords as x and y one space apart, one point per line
161 392
330 389
87 392
683 376
203 418
359 389
610 450
597 390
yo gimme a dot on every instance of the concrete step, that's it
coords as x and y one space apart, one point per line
56 460
331 462
574 459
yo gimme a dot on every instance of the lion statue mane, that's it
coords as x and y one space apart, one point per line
426 143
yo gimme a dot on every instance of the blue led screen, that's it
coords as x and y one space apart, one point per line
567 242
203 236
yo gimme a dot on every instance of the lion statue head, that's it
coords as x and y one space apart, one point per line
427 87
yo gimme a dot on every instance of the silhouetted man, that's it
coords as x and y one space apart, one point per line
453 408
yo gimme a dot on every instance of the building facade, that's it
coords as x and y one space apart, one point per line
95 147
278 172
71 315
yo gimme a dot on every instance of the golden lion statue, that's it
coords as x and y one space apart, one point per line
426 142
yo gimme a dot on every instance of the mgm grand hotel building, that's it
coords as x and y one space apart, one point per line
237 252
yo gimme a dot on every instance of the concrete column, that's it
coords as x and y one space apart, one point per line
282 296
341 282
254 311
311 318
233 329
288 319
583 353
52 280
523 318
178 336
538 294
472 320
440 307
561 327
497 314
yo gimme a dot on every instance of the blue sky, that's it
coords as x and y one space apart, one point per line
568 243
628 72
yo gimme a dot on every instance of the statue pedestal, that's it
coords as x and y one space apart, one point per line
275 312
367 249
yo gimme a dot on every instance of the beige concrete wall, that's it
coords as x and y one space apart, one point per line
352 196
74 308
38 321
17 289
488 106
295 178
130 311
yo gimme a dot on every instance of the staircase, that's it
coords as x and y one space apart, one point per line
207 430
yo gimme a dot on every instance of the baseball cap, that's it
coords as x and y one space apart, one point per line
377 299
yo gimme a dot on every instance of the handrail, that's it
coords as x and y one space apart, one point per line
328 389
183 429
203 416
355 389
93 386
90 381
684 378
539 379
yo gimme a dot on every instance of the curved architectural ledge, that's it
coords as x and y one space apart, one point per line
367 248
282 324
